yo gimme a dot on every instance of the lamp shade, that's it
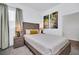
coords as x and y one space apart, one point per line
18 28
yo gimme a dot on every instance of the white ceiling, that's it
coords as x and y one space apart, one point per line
41 6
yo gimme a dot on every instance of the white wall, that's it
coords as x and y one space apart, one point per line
71 26
29 14
63 9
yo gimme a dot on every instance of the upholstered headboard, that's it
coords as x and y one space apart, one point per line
27 25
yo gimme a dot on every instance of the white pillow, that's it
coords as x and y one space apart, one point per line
27 31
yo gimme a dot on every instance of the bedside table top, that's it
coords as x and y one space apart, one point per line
18 37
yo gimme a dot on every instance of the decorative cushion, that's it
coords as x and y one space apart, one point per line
34 31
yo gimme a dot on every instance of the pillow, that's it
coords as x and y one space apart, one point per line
34 31
27 31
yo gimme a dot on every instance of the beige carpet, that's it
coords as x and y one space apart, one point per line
17 51
25 51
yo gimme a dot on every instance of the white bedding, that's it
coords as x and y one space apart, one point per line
46 44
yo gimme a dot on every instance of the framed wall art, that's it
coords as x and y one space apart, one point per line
54 20
46 22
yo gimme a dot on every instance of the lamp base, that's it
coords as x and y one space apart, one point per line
18 34
41 31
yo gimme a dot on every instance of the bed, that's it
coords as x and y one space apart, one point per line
45 44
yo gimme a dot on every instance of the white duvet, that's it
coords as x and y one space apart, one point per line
46 44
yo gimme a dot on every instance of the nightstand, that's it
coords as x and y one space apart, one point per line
18 42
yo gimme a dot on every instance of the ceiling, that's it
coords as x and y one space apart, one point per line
41 6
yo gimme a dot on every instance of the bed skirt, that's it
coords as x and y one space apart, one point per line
63 51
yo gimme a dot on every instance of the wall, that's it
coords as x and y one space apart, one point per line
63 9
71 26
29 14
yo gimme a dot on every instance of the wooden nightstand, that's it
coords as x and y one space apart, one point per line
18 42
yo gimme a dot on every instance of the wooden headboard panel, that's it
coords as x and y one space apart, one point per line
27 25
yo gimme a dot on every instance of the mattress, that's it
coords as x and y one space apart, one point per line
46 44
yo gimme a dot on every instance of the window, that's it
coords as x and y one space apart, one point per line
11 25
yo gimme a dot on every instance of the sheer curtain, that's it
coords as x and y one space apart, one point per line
11 25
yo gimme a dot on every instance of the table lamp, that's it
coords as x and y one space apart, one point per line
18 30
41 30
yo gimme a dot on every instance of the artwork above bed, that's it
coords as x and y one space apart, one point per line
54 20
46 21
51 21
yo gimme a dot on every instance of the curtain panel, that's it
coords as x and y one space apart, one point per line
19 18
4 27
